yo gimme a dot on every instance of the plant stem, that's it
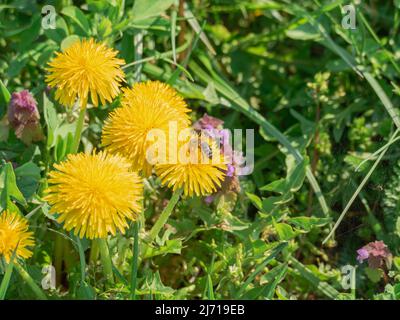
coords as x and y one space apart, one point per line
183 32
138 44
135 262
78 130
94 252
106 260
165 214
58 257
7 277
28 279
81 259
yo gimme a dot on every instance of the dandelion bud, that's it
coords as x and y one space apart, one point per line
23 117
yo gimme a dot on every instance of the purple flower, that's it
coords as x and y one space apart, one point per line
224 136
213 128
208 122
23 117
230 171
377 253
208 199
362 255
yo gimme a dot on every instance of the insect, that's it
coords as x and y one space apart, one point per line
205 147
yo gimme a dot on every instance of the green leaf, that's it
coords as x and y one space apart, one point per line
30 35
68 41
28 176
305 273
4 99
261 267
104 29
396 291
279 186
154 285
292 182
9 189
85 291
78 17
7 277
144 9
60 32
394 114
209 288
173 246
51 119
271 203
63 144
303 32
374 275
308 223
255 200
270 289
285 231
268 283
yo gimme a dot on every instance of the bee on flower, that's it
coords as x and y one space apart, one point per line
199 171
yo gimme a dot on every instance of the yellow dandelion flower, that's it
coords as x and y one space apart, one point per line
14 234
86 68
146 106
200 168
94 194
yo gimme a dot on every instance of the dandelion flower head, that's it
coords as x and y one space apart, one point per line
200 168
145 107
14 236
94 194
86 68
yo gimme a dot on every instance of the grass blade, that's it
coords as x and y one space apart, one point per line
135 259
261 267
383 97
363 182
323 287
7 277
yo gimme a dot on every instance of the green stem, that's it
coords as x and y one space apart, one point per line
28 279
78 130
135 259
106 260
162 220
138 44
7 277
94 252
81 259
58 257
